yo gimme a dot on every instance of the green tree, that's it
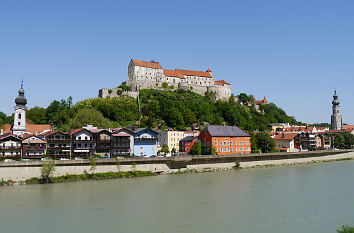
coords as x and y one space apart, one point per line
165 149
37 115
264 142
173 151
89 117
339 141
46 171
164 85
348 139
345 229
197 149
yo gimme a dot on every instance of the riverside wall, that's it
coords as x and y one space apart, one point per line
20 171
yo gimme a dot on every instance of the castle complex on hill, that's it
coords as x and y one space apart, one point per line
151 75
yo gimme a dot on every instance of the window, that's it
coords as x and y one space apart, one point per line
220 149
19 116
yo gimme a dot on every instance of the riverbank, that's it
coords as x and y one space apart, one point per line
287 162
69 171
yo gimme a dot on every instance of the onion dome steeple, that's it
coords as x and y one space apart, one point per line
21 99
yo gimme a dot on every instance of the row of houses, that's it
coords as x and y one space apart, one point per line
304 138
143 142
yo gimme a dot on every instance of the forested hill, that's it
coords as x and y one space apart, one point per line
159 109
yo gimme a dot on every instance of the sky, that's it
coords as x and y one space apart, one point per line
293 52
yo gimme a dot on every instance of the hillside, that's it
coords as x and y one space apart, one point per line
159 109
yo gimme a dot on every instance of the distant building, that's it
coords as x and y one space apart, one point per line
33 147
10 146
145 141
171 138
336 118
151 75
58 144
83 143
226 139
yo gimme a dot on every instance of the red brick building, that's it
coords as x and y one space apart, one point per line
187 143
226 140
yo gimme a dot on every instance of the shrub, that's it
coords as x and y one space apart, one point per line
345 229
46 171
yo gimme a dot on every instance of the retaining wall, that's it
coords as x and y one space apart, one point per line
19 171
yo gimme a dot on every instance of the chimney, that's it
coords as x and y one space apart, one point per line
36 133
1 132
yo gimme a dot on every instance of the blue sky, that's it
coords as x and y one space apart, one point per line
293 52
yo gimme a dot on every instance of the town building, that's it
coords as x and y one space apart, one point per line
122 142
226 139
151 75
83 143
103 141
58 144
10 146
285 142
336 118
33 147
186 144
145 141
171 138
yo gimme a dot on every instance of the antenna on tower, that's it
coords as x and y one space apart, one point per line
22 82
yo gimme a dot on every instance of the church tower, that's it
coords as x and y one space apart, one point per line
336 118
19 126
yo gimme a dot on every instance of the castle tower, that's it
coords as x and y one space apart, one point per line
336 118
19 126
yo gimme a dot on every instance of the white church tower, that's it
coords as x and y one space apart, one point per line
336 118
19 126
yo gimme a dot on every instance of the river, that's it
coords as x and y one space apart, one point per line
292 199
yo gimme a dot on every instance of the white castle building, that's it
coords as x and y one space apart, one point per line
151 75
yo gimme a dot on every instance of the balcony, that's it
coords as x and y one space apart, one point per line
10 147
145 139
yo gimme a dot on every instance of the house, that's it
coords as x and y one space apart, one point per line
58 144
33 147
122 142
10 146
187 143
285 142
226 139
103 141
170 138
145 141
83 143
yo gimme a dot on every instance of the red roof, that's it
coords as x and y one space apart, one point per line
173 73
285 136
154 65
195 73
221 82
348 126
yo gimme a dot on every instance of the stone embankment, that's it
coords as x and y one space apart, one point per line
21 171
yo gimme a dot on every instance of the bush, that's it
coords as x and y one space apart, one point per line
345 229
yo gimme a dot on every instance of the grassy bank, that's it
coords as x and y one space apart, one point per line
92 176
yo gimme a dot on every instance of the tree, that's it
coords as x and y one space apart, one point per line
264 142
173 151
197 149
339 141
37 115
345 229
46 171
165 149
348 139
164 85
89 117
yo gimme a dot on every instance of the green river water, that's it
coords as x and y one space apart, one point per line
315 198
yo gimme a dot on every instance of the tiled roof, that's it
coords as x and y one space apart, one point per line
121 134
348 126
285 136
221 83
33 128
173 73
225 131
195 73
154 65
188 139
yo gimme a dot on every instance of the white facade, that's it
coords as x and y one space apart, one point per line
170 138
19 126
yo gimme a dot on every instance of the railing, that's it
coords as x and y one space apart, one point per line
10 147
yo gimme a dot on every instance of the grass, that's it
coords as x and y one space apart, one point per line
93 176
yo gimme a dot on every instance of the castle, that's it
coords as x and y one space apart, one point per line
151 75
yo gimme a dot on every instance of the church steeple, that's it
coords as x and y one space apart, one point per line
19 125
336 118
